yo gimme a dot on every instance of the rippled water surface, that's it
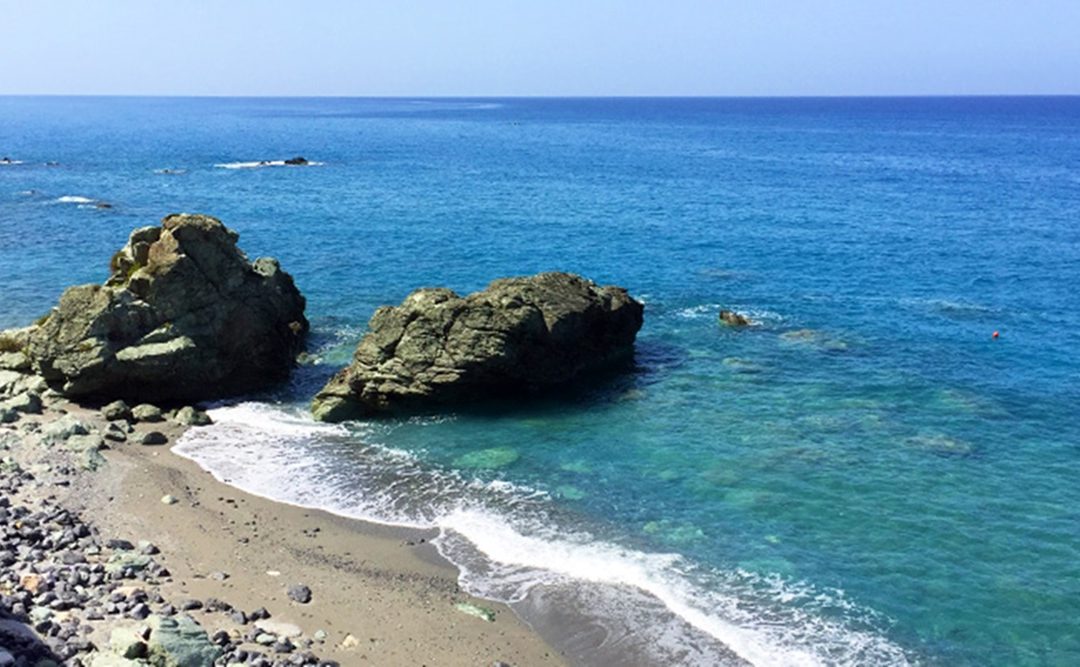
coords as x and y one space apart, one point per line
864 477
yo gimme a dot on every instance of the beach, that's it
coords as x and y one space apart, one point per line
379 595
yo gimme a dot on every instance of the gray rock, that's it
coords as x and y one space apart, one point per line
116 410
7 415
145 412
13 383
154 438
184 316
15 361
127 560
115 432
734 319
300 593
178 641
28 402
128 643
62 429
85 443
189 416
517 336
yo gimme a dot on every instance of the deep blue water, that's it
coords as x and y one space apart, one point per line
867 477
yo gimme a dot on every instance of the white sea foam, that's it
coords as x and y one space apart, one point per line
757 316
9 163
504 553
74 199
259 164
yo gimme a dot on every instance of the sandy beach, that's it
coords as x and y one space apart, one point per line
379 595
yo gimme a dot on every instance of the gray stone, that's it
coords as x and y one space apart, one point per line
63 428
127 560
154 438
115 432
27 402
517 336
300 593
128 643
85 443
7 415
178 641
189 416
183 316
15 361
116 410
145 412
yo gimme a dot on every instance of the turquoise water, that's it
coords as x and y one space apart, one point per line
867 477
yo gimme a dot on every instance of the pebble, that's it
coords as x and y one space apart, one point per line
169 500
300 593
145 412
154 438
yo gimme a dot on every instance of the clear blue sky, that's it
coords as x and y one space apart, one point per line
541 47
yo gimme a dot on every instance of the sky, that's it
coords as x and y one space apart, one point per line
540 47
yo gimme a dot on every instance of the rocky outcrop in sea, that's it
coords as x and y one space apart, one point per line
517 336
183 316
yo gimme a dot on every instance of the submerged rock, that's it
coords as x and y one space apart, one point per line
518 335
184 316
734 319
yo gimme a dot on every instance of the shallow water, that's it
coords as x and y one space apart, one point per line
866 477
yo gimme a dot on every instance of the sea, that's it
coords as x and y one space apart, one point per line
883 469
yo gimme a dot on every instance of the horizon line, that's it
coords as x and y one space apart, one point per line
550 97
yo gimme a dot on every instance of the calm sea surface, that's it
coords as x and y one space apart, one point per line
867 477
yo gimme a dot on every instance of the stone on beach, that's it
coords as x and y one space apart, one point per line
154 438
299 593
517 336
145 412
184 316
189 416
116 410
180 641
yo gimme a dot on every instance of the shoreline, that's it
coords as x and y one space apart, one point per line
379 594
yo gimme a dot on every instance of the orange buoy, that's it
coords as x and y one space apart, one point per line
996 334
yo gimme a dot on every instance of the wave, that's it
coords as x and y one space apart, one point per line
7 162
953 309
260 164
74 199
757 316
511 541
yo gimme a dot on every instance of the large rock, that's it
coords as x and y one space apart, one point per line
518 335
184 316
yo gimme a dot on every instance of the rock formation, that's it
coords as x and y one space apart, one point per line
184 316
518 335
734 319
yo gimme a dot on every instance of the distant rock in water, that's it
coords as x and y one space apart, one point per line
296 161
733 319
516 336
183 317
